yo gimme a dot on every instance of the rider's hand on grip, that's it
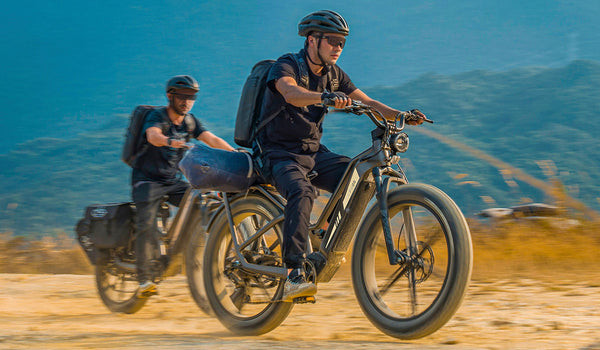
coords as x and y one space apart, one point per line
335 99
416 117
176 143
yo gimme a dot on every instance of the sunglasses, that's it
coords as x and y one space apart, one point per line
335 41
184 96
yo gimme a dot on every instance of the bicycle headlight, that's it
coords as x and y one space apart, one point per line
399 142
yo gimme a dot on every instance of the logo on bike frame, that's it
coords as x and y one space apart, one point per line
349 190
99 212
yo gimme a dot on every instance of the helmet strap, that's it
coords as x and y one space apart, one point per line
322 64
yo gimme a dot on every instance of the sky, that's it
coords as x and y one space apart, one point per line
69 66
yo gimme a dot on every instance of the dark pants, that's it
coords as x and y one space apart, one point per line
148 197
289 173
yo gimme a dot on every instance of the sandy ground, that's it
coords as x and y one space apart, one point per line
64 311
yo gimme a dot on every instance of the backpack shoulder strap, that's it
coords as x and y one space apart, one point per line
190 123
188 120
332 78
302 80
298 58
166 119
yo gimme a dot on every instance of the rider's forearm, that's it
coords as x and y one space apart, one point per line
303 98
387 111
296 95
214 141
222 144
156 138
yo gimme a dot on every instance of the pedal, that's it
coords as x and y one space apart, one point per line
305 300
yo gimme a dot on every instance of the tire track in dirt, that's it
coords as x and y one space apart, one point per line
64 312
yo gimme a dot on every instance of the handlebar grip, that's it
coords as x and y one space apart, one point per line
329 102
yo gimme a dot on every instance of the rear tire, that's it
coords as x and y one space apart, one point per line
246 303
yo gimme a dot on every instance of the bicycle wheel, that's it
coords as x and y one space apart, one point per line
423 288
245 302
117 288
193 265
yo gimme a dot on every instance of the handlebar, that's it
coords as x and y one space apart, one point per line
358 108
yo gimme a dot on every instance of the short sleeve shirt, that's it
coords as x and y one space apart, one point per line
297 129
160 164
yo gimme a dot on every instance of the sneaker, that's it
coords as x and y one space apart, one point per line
147 289
296 286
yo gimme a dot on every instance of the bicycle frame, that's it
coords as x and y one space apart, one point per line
368 174
176 234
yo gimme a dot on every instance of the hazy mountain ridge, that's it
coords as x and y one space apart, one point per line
521 116
68 66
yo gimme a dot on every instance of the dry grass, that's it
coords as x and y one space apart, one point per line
545 248
50 255
520 248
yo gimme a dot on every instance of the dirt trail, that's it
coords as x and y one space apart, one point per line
64 311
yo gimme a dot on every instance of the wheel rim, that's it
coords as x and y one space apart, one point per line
408 289
242 294
116 286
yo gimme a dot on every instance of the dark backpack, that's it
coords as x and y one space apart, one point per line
135 143
247 122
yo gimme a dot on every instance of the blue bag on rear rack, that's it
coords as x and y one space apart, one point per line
215 169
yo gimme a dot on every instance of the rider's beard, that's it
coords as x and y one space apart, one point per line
179 108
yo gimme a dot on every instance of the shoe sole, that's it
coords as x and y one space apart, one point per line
147 292
301 294
305 300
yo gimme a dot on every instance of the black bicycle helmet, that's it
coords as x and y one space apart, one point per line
323 21
182 82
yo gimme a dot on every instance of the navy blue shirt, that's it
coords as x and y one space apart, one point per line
296 129
160 164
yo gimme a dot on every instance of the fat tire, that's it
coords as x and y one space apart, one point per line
194 256
275 313
128 306
460 255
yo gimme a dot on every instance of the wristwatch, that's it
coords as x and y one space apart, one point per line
169 140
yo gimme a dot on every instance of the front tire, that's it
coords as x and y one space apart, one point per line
194 257
117 288
422 290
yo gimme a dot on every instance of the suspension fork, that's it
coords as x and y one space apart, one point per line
395 257
382 187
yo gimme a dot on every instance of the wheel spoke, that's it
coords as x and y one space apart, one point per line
429 234
392 280
412 290
260 243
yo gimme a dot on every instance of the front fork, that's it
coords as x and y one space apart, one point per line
395 256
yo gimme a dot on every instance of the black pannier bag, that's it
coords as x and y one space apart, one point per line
105 226
213 169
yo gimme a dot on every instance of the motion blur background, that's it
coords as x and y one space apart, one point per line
513 88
